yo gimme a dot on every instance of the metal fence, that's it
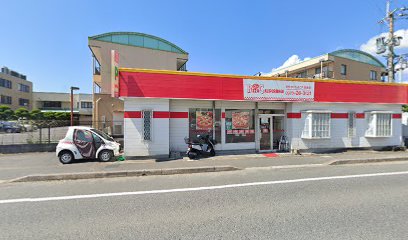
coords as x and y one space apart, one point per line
48 131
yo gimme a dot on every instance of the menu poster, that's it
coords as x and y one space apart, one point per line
204 120
240 120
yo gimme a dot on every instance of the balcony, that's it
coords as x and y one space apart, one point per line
323 75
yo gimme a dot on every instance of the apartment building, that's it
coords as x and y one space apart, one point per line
15 89
61 102
128 50
346 64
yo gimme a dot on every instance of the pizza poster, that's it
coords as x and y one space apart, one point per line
240 120
204 120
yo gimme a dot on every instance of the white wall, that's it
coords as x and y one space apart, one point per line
339 127
134 143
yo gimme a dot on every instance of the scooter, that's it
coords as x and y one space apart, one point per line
205 147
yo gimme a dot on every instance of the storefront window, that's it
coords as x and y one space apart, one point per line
204 122
239 126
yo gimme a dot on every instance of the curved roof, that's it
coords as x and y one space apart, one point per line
138 40
359 56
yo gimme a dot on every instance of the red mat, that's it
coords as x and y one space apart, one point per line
271 155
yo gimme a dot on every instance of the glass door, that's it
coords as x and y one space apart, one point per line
265 128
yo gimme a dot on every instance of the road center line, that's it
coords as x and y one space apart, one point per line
100 195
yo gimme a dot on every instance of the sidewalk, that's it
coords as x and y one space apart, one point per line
14 166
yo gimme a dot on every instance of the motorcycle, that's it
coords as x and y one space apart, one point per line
204 147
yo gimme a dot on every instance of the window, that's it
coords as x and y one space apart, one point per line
5 99
317 125
343 69
373 75
23 102
378 124
351 124
318 70
239 125
86 104
202 121
23 88
51 104
147 124
5 83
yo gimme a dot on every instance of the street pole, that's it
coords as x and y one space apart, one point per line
391 54
72 104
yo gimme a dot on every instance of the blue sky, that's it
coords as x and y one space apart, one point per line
47 40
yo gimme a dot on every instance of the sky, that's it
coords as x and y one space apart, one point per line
47 39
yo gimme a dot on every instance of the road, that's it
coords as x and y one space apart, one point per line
326 202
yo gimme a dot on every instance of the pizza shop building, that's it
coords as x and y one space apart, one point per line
256 113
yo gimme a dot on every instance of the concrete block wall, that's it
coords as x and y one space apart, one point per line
339 127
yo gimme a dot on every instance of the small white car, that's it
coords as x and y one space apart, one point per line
86 143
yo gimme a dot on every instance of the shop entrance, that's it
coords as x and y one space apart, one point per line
271 132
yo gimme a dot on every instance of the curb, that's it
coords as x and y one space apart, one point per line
136 173
373 160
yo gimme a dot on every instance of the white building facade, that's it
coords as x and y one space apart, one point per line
256 113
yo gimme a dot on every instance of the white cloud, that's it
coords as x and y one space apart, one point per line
294 59
370 45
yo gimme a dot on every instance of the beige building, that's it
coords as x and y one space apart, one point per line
15 89
347 64
61 102
136 50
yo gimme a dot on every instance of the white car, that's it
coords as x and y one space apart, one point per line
86 143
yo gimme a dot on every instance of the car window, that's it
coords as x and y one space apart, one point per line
97 138
83 135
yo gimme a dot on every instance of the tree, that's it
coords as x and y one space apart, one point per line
405 108
36 115
22 113
6 113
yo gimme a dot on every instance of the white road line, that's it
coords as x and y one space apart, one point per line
45 199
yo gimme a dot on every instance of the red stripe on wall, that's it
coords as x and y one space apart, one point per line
159 114
360 115
339 115
178 114
397 115
360 93
223 115
134 114
162 85
294 115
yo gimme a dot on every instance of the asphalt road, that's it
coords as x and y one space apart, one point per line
359 202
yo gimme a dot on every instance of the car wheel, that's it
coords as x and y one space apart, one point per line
105 156
66 157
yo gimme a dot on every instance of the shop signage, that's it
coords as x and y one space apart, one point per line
267 90
115 73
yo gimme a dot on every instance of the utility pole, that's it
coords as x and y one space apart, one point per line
392 41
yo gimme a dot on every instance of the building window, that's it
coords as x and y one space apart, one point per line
5 83
317 125
343 69
23 102
373 75
86 104
147 116
204 121
318 70
351 124
378 124
239 125
51 104
5 99
23 88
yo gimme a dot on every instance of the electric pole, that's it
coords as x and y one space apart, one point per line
387 45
